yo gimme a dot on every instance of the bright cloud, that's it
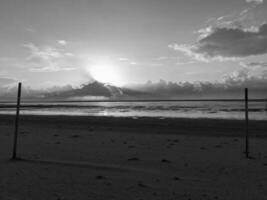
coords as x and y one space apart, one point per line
255 1
62 42
49 59
123 59
251 74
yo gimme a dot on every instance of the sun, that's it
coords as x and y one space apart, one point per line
106 72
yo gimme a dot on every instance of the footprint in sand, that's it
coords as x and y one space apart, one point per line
176 178
91 128
100 177
75 136
23 132
165 161
133 159
140 184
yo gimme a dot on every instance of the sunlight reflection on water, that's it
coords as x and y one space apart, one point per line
223 110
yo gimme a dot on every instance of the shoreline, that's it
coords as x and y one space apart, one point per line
153 125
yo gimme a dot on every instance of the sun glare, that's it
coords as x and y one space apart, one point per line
105 72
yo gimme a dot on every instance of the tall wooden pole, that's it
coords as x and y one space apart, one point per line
246 118
14 155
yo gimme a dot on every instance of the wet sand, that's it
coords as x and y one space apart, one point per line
125 158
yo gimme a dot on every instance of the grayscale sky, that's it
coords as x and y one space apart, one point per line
57 42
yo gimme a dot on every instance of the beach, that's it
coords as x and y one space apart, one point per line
82 157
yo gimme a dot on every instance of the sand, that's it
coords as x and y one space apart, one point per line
123 158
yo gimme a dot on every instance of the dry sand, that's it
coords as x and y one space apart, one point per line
122 158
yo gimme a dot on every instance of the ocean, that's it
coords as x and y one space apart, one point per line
163 109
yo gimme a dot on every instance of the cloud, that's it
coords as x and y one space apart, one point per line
49 59
246 18
93 89
45 53
30 30
230 37
62 42
252 75
5 81
255 65
172 60
204 32
227 43
123 59
255 1
228 88
231 86
189 50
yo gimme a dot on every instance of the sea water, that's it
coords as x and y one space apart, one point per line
180 109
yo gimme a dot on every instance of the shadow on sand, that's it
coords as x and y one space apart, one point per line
88 165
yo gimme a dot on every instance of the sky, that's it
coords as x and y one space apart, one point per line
122 42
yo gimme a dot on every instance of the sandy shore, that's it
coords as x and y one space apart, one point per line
123 158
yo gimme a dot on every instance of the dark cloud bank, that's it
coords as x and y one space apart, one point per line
234 42
223 43
231 87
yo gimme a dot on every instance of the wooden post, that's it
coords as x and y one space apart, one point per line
14 156
246 118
